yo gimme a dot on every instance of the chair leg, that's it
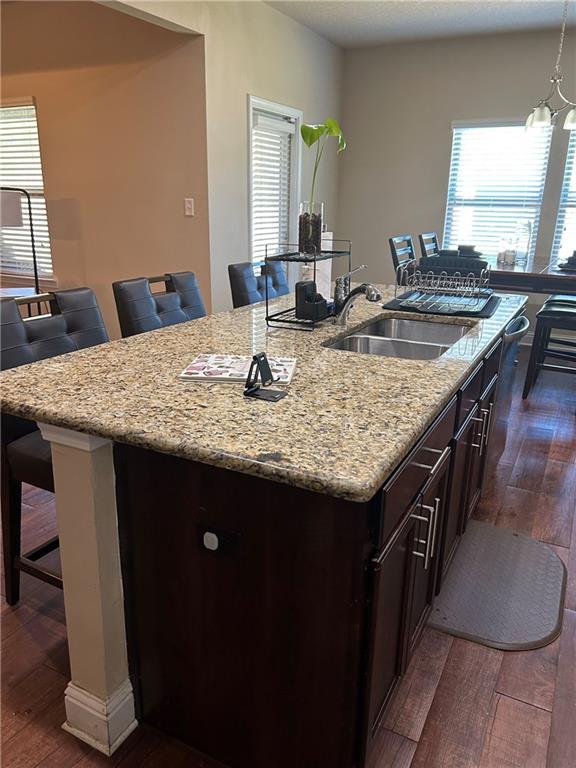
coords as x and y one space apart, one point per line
534 357
541 352
11 532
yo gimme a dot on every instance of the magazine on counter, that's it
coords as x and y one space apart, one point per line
234 368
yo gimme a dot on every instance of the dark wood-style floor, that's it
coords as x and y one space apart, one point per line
461 705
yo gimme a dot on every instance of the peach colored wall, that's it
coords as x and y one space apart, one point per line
122 121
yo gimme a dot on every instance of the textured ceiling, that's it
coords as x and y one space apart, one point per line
351 23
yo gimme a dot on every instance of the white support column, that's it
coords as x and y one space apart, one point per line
99 698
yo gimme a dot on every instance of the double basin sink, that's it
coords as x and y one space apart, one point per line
398 337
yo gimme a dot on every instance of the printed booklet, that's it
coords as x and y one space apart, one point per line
234 368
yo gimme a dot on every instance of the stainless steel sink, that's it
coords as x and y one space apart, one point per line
399 337
373 345
415 330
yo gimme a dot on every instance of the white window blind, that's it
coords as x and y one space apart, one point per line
495 190
271 152
20 166
565 233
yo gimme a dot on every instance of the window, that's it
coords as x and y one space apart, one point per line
565 233
273 176
20 166
495 190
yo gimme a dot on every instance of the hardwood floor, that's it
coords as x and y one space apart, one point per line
461 705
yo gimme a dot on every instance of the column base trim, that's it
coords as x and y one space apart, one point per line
102 723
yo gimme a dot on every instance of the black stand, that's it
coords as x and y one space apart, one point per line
29 201
260 367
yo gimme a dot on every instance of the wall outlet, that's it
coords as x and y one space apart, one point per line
188 206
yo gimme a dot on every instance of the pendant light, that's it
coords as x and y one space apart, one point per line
544 114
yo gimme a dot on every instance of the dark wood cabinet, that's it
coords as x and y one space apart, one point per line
403 587
430 516
463 447
480 446
392 573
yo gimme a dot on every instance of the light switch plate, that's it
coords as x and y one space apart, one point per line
188 206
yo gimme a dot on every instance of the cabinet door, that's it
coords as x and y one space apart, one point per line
430 522
458 492
392 576
481 445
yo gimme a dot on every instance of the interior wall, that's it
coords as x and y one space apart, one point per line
252 49
122 125
398 105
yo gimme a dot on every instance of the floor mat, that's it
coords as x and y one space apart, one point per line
503 590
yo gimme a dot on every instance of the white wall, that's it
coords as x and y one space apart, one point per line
398 102
251 49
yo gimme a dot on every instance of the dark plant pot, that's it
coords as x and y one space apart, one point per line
310 227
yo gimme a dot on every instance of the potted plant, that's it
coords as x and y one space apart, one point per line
311 212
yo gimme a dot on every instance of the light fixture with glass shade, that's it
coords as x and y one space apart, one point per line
544 113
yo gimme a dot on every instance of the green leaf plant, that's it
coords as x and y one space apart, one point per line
319 135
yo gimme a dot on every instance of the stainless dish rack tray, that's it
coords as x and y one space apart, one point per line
442 293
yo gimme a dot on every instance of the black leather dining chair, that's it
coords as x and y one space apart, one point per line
140 310
248 288
429 245
74 322
402 251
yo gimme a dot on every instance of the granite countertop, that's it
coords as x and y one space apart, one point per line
347 422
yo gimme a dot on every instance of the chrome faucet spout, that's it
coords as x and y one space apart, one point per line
368 290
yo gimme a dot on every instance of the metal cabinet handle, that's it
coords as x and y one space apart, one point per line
435 513
433 468
488 414
427 541
482 421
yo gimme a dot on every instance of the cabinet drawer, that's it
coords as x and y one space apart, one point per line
404 485
469 395
491 365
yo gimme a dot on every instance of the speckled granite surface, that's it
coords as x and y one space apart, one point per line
347 422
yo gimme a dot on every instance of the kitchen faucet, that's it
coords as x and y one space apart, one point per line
344 298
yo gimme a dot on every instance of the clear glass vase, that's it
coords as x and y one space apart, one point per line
310 227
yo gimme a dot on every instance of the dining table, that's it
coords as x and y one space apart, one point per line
549 279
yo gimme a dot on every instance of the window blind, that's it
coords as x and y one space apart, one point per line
20 166
565 233
495 189
270 181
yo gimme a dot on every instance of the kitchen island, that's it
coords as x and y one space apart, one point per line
278 560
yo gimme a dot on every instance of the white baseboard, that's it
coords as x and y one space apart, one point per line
103 724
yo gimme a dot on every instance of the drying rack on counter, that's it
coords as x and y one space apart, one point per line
291 254
442 294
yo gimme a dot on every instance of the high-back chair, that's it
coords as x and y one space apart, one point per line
74 322
402 250
429 245
248 288
140 310
557 314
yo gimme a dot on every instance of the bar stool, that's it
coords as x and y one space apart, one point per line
562 298
73 322
248 288
554 315
140 310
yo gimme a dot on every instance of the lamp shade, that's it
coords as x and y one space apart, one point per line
541 116
530 120
10 209
570 122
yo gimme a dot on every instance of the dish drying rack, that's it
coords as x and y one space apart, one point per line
442 293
